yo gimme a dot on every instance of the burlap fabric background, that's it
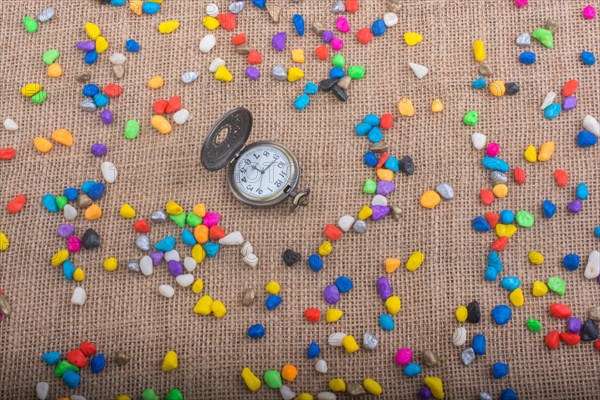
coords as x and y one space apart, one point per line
124 310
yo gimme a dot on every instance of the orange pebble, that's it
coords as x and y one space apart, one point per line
561 177
63 136
201 233
200 210
430 199
93 212
487 196
391 264
385 174
500 190
322 52
238 39
156 82
289 372
43 145
215 232
55 70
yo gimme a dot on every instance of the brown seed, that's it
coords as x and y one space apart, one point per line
121 358
274 12
485 70
379 147
243 49
594 313
430 359
318 28
394 6
248 298
84 201
550 25
355 389
83 78
118 71
5 307
396 211
344 83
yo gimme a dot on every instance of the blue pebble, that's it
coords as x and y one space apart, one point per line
256 331
586 139
51 357
298 21
372 120
362 129
90 90
548 208
494 261
499 370
211 249
117 3
97 363
336 73
571 262
378 28
259 3
313 350
508 394
101 100
71 194
386 322
132 46
167 244
375 135
480 224
582 191
552 111
91 57
370 159
272 302
491 274
311 88
188 238
344 284
150 7
68 270
412 370
510 283
588 58
479 83
479 344
50 203
495 164
315 263
597 231
501 314
301 102
87 185
71 379
96 191
392 164
507 217
527 57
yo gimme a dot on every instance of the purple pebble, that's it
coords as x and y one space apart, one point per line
575 206
569 103
574 325
175 268
327 36
379 212
385 187
384 288
425 393
331 294
106 117
253 73
65 230
156 257
279 40
86 46
98 149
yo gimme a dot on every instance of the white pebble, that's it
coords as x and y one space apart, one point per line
251 260
181 117
118 59
419 70
10 124
70 212
109 171
247 249
379 200
345 222
236 7
234 238
146 266
390 19
326 396
185 280
207 43
321 366
172 255
592 270
591 125
479 140
166 291
41 389
79 296
215 64
189 264
212 9
46 14
286 393
189 77
460 336
549 99
335 339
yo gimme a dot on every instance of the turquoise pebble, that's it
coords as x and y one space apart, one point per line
68 270
480 224
582 191
588 58
586 139
50 203
117 3
479 344
71 379
597 231
315 262
91 57
372 120
51 357
494 261
495 164
313 350
336 73
311 88
71 194
101 100
188 238
362 129
552 111
301 102
501 314
548 208
491 274
412 370
87 185
167 244
510 283
150 7
392 164
211 249
386 322
479 83
375 135
370 159
507 217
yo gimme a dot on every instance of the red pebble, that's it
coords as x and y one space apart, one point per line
16 204
87 348
487 196
312 314
560 310
386 122
519 175
173 105
570 87
332 232
112 90
159 106
500 243
254 57
384 157
7 153
238 39
492 218
597 344
561 177
351 6
552 340
570 338
364 35
76 357
216 232
141 226
322 52
227 21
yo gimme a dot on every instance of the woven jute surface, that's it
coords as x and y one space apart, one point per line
124 310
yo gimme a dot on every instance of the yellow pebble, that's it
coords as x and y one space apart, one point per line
294 74
92 30
223 74
204 305
304 396
365 213
119 397
530 154
200 210
539 289
385 174
535 258
59 257
430 199
333 315
78 275
251 381
326 248
168 26
170 361
55 70
198 253
497 88
479 50
3 242
437 106
507 230
298 55
93 212
350 344
211 23
198 286
372 386
156 82
415 260
461 314
546 151
391 264
393 304
63 137
218 309
435 386
127 211
161 124
110 264
42 145
500 190
516 297
136 6
101 44
337 385
412 38
30 89
273 287
406 108
173 208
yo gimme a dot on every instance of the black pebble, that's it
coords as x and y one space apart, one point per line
407 165
327 84
589 331
339 93
290 257
474 315
91 239
512 88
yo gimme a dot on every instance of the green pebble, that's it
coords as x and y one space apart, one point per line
534 325
370 186
471 118
179 219
132 129
193 219
174 394
30 24
525 219
61 202
63 367
557 285
338 60
39 97
50 56
356 71
544 36
149 394
273 379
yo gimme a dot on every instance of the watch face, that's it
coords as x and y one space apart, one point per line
262 172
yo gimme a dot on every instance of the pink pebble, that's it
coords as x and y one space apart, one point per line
337 44
211 219
589 12
492 149
73 244
404 356
342 25
521 3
